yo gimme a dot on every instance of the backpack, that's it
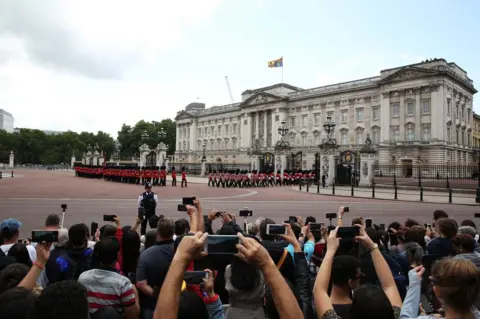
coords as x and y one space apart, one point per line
62 266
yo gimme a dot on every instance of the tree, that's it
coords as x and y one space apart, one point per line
130 138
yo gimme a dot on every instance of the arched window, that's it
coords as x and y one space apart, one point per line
344 137
359 136
376 135
410 132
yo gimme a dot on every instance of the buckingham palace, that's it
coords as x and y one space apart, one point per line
420 113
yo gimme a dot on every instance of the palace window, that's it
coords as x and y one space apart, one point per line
359 113
410 109
292 121
376 136
304 120
468 116
395 110
449 103
395 133
410 132
463 137
426 132
304 139
234 143
226 129
316 117
344 116
463 113
219 130
359 137
449 132
426 107
316 137
458 136
376 113
234 128
344 137
468 139
330 114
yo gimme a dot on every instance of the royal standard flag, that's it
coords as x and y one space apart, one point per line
278 63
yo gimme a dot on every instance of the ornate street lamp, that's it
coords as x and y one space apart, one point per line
394 161
477 197
204 146
419 171
283 130
145 136
329 142
162 134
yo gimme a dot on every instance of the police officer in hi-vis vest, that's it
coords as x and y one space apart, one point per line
148 200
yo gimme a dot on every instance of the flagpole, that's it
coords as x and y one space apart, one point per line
282 69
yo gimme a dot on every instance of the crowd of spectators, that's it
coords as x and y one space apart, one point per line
408 270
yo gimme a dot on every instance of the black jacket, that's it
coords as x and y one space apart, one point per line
302 285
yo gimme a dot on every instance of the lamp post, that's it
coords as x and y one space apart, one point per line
477 197
282 146
204 157
419 172
145 136
162 134
283 130
394 161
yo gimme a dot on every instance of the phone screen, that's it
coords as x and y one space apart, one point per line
477 215
194 277
221 244
109 218
348 232
188 201
315 227
292 219
245 213
331 215
182 208
346 209
276 229
93 228
48 236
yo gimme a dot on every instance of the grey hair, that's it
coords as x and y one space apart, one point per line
257 224
469 230
252 229
62 237
414 251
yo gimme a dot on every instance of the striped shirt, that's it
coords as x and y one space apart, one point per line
106 288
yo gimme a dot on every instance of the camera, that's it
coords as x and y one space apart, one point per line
63 206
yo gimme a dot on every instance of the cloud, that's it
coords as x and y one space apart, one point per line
84 65
99 39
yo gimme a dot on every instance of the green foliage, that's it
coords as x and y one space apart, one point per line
130 138
36 147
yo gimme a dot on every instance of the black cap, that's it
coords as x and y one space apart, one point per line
148 185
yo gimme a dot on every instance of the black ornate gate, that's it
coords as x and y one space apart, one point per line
267 163
316 167
297 161
347 168
151 159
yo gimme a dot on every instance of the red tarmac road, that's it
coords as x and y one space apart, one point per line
35 193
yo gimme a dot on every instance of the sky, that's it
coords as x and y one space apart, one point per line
95 64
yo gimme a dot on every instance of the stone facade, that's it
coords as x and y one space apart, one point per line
414 113
476 131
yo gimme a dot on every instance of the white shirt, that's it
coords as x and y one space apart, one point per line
31 251
140 198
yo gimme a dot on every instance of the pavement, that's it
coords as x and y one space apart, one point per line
402 195
39 193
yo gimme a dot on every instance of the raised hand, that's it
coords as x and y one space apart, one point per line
252 252
191 247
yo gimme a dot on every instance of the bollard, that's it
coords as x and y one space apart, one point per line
396 192
333 189
421 194
450 195
300 185
12 174
318 188
1 174
373 190
308 187
448 182
352 191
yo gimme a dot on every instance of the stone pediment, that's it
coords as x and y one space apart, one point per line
261 98
183 115
409 73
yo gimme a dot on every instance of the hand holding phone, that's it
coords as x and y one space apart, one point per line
48 236
331 215
188 201
182 208
221 244
368 223
245 213
195 277
276 229
348 232
292 219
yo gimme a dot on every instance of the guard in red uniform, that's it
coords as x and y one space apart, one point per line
278 179
174 177
184 177
156 176
210 179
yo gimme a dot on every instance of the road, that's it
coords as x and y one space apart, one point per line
33 196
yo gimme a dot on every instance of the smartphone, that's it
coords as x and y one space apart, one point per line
477 215
205 218
133 277
348 232
245 213
109 218
381 226
140 213
188 201
63 206
276 229
315 227
194 277
93 228
331 215
346 209
182 208
221 245
368 223
48 236
292 219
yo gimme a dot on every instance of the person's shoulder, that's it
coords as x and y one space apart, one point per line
31 248
86 275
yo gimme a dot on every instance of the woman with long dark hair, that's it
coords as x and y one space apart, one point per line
246 288
20 253
131 251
